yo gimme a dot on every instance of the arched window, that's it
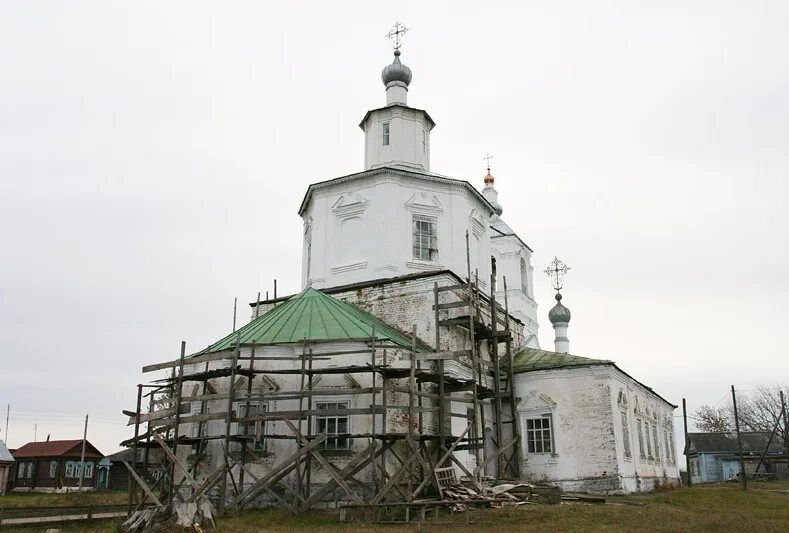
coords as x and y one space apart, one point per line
524 276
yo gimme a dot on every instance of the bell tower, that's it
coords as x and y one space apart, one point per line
397 135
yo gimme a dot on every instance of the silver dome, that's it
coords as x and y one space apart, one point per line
559 313
396 72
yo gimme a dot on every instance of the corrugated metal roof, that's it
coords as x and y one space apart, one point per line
312 316
528 359
55 448
5 455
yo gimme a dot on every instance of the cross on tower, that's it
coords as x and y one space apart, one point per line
487 158
395 33
556 270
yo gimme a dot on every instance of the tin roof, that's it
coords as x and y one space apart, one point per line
5 455
54 448
754 441
528 359
533 359
312 316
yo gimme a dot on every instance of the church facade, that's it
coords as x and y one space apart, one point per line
383 345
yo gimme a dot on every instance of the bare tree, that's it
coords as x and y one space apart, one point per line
761 410
711 419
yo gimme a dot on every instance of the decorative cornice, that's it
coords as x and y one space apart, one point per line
421 175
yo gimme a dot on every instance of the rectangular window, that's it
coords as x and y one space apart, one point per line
649 442
625 434
255 432
334 425
425 240
53 469
538 434
640 440
657 443
89 470
424 142
385 133
69 469
78 470
673 448
669 458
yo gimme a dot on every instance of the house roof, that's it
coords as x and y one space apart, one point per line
5 455
533 359
311 316
727 442
54 448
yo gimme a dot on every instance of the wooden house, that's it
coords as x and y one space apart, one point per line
54 465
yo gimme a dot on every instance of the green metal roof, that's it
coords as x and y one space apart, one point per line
312 316
528 359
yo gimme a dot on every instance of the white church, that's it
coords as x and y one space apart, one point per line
392 256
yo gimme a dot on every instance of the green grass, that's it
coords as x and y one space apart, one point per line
722 507
37 499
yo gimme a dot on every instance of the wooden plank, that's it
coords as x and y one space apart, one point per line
452 305
357 463
185 471
459 286
327 466
435 356
276 474
142 484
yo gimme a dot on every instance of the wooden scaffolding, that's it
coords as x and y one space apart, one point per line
401 462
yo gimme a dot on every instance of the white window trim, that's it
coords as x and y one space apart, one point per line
540 416
432 220
335 399
386 134
69 469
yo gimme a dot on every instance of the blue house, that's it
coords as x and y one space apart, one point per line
715 456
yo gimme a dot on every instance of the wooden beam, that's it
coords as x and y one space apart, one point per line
142 484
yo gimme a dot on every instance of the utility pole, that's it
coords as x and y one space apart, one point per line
743 477
82 457
235 306
7 412
783 410
35 432
687 456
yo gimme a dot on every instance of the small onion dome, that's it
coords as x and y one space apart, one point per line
559 313
489 179
396 72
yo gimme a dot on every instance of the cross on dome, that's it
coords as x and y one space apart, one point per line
556 270
395 33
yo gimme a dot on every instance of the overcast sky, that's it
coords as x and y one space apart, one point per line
153 156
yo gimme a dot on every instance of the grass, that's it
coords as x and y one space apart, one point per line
721 507
68 499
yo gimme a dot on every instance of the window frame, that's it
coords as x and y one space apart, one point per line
639 428
257 445
69 469
88 470
386 133
656 442
333 444
419 252
627 449
532 439
647 437
53 469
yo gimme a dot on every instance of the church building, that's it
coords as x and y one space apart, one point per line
416 335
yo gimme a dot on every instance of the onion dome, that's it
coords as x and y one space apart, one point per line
489 179
396 72
559 313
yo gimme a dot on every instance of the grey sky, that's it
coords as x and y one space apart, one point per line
153 156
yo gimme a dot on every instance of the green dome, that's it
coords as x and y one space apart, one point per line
559 313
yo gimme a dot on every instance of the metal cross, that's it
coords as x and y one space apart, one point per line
487 159
556 270
395 33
